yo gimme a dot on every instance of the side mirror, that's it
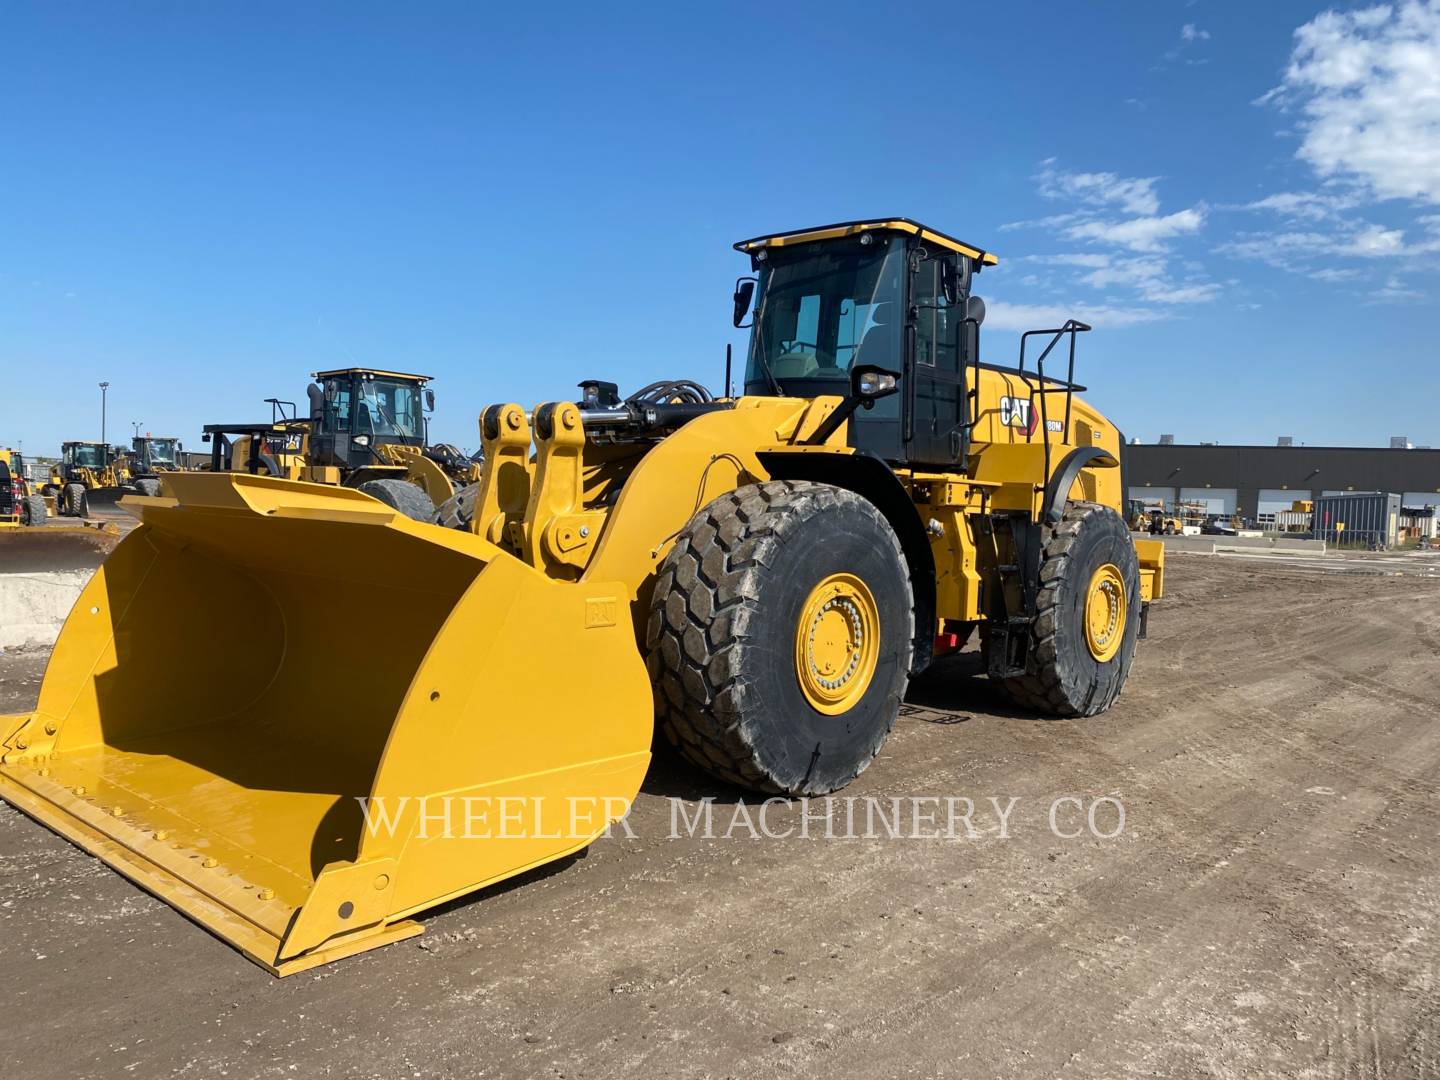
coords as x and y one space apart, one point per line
975 310
429 400
869 383
949 282
744 293
205 437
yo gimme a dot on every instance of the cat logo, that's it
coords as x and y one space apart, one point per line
601 611
1019 413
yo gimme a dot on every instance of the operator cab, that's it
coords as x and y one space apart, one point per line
355 410
889 294
85 455
154 454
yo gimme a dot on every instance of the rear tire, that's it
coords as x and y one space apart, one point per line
744 632
401 495
76 502
148 488
458 511
32 510
1064 677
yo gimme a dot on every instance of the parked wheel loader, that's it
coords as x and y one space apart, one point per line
150 458
86 472
760 575
19 506
366 429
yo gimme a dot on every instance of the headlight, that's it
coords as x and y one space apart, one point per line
361 440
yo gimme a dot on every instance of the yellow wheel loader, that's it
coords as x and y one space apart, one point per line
761 574
366 429
18 505
86 472
150 458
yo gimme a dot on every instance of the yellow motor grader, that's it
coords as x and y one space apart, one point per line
366 429
762 575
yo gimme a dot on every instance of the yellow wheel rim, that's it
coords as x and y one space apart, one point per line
1105 612
837 642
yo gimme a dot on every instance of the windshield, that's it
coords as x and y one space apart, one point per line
161 451
389 407
85 455
823 308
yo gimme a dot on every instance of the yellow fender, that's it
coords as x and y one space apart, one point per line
420 470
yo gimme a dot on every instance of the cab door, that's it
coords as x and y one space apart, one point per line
935 429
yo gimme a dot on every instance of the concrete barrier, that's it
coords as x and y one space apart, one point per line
33 606
1208 545
41 574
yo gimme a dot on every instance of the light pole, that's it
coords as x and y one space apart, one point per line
104 386
136 425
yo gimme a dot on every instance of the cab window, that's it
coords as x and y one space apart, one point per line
935 321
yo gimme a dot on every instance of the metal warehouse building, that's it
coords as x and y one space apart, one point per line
1259 480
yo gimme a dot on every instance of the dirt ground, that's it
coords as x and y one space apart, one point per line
1270 908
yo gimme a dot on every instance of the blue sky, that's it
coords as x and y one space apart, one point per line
202 203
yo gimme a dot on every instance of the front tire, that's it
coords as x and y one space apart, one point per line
401 495
1087 616
780 636
76 502
458 511
32 510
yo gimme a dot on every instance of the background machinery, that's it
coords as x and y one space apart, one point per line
761 575
366 429
150 457
85 471
18 504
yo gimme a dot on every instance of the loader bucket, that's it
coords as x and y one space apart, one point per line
300 717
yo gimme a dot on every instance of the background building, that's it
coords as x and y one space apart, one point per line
1257 481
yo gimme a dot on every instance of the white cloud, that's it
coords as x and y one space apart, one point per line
1367 86
1375 242
1285 250
1304 205
1001 315
1147 276
1054 221
1142 233
1395 291
1094 261
1133 195
1301 251
1334 275
1131 282
1191 32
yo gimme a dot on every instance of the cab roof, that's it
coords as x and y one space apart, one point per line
370 371
854 228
